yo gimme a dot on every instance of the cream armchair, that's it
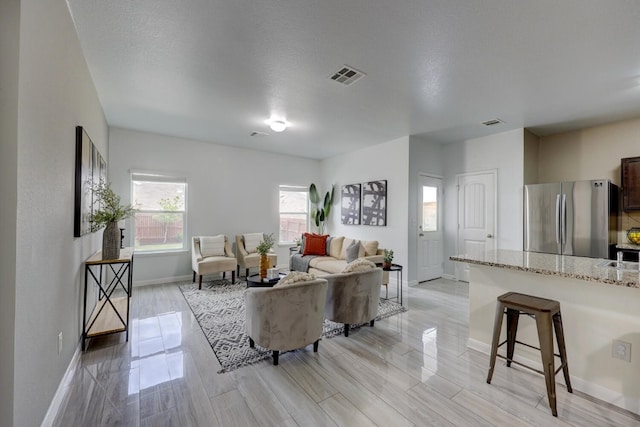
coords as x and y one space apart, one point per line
353 298
212 254
286 317
247 255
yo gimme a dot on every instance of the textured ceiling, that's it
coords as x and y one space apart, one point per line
215 70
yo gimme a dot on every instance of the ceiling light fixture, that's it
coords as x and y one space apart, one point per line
277 125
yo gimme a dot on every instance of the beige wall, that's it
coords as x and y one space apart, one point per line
591 153
588 153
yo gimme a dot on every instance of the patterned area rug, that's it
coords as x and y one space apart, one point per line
219 309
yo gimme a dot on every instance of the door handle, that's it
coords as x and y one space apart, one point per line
490 236
421 234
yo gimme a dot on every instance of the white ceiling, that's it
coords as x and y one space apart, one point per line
215 70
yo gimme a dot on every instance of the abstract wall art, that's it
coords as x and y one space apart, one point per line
374 203
350 204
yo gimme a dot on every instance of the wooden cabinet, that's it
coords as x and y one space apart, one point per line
630 183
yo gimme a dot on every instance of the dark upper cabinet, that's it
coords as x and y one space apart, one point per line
630 184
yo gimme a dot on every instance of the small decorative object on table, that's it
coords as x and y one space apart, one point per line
388 258
263 249
633 234
107 211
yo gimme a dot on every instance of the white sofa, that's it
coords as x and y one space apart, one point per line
336 260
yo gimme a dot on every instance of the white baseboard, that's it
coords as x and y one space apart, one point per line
62 390
627 403
159 281
449 277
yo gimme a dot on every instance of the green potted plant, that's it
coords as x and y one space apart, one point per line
320 213
387 258
263 248
107 211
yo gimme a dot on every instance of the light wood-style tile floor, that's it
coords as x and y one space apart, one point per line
413 369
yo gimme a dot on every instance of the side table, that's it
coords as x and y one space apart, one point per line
398 269
111 313
254 281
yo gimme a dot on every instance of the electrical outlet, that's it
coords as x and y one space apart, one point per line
621 350
60 343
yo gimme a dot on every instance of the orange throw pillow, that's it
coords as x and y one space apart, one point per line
315 244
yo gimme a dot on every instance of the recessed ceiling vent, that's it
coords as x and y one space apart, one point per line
256 133
492 122
347 75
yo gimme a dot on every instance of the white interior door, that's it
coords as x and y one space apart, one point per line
430 246
476 216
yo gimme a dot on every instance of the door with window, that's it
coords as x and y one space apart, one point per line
476 216
430 244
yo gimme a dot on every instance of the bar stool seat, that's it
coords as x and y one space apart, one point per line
546 312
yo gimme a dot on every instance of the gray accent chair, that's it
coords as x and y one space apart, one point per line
202 265
248 260
287 317
353 298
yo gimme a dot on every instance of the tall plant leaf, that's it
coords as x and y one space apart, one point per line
313 194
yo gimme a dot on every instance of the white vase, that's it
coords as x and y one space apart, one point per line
111 241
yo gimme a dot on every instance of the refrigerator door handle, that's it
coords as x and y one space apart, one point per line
557 219
563 220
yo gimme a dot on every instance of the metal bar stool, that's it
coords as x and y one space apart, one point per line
545 311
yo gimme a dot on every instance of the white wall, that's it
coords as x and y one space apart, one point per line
388 161
531 149
424 158
503 152
230 190
56 93
9 50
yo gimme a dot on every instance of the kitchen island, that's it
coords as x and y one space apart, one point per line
599 304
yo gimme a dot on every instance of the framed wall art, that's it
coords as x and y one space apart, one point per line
374 203
90 168
350 204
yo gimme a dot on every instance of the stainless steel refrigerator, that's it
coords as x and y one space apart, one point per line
571 218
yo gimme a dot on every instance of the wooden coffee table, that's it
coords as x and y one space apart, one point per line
254 281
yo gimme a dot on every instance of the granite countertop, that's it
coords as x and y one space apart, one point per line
628 246
554 265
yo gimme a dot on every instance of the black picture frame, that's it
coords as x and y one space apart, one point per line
350 204
374 203
90 167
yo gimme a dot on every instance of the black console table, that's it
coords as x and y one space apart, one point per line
112 280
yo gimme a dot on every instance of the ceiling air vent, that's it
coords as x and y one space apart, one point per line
347 75
492 122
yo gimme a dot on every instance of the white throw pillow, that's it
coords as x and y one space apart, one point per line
360 264
295 277
251 241
212 245
370 247
335 247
